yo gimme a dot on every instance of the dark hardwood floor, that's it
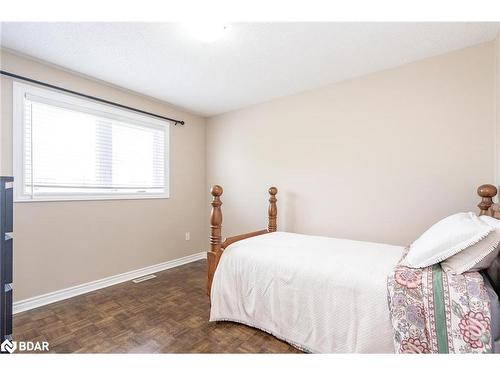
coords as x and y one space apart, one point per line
168 314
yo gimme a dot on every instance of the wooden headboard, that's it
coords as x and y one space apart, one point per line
487 207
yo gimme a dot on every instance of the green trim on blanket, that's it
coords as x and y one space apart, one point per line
439 309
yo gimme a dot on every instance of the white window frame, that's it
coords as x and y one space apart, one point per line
19 91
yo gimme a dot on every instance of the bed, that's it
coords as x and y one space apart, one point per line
320 294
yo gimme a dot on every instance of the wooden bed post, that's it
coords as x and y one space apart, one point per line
216 243
486 192
273 210
215 252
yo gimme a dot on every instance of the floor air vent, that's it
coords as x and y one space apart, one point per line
144 278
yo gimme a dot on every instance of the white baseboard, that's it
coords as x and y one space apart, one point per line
58 295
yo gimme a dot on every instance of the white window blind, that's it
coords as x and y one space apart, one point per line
77 149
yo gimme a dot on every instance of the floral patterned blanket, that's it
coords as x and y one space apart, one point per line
433 311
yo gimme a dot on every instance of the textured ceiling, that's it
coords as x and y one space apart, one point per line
249 64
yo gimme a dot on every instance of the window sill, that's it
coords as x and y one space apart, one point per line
89 198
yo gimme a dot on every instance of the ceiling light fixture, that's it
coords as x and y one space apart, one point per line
207 32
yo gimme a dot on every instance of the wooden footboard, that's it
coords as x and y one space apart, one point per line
217 246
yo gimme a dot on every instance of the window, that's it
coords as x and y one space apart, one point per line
66 148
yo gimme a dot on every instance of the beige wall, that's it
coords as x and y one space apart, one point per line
62 244
376 158
497 109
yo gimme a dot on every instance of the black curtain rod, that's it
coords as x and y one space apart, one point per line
12 75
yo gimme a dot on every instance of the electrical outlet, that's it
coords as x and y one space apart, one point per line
188 236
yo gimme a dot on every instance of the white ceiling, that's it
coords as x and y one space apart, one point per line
250 63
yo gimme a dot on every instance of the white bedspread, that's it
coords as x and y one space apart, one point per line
324 295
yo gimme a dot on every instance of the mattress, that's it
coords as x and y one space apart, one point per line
322 295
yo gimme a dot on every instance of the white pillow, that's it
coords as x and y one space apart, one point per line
446 238
476 257
491 221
